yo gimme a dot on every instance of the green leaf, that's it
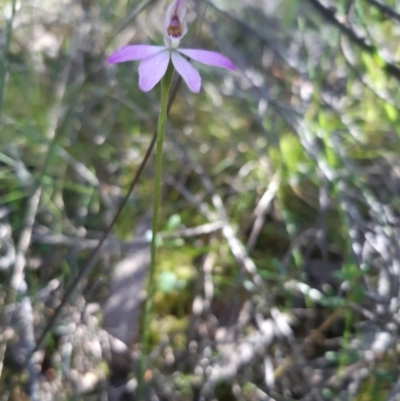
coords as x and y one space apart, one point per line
391 112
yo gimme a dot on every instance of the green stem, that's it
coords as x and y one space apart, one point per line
162 120
4 59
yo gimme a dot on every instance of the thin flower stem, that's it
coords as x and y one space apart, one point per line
93 255
162 121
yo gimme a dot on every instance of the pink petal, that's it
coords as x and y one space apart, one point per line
210 58
187 72
176 8
134 52
152 69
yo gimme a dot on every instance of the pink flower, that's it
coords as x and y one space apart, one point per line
155 59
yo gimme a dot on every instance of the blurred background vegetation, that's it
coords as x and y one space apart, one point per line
279 262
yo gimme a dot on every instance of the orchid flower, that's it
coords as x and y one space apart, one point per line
155 59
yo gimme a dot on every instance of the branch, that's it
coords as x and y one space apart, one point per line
384 9
329 14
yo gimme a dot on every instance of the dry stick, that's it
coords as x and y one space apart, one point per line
28 336
261 210
238 250
17 274
92 257
113 244
17 277
33 203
